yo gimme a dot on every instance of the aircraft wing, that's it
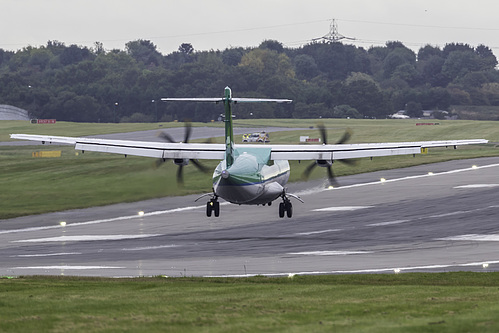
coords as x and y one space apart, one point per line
137 148
217 151
346 151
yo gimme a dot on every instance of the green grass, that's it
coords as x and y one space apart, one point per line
38 185
412 302
63 128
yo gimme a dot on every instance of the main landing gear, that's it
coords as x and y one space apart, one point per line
285 207
213 206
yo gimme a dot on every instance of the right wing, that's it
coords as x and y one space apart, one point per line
206 151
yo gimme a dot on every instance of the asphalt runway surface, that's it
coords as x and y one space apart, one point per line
433 218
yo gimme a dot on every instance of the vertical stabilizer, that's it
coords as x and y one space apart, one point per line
228 101
229 132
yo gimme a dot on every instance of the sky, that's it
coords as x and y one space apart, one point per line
217 24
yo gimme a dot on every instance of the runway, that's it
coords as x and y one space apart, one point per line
437 217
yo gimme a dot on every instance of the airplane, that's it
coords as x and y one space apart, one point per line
248 174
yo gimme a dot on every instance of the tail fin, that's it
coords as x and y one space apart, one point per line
228 100
229 132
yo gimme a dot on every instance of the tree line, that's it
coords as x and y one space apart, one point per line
76 83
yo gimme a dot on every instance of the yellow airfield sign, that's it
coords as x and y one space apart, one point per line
51 153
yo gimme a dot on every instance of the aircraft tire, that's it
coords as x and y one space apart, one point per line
216 208
209 209
289 209
282 209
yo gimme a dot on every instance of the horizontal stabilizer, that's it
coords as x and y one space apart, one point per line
235 100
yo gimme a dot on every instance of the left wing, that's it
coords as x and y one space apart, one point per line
217 151
347 151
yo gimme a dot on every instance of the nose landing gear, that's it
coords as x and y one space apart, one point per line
213 206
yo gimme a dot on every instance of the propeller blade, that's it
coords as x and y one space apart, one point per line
330 176
308 170
159 162
349 161
166 137
188 130
323 132
201 167
180 178
346 136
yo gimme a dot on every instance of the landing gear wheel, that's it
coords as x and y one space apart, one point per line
213 206
209 208
289 209
282 209
216 208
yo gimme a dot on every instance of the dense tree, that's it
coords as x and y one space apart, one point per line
144 51
324 79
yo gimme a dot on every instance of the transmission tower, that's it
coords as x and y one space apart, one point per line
333 36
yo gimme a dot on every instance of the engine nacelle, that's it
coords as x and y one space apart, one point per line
324 163
181 161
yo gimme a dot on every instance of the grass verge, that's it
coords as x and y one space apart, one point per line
412 302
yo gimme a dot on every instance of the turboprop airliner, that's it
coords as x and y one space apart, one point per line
247 174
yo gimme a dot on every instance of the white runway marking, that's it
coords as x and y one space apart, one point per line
387 223
316 232
84 238
340 209
371 270
329 253
66 267
44 255
150 248
477 186
406 178
472 237
114 219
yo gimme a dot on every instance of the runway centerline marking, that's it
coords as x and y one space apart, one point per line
150 247
380 224
84 238
316 232
329 253
44 255
340 209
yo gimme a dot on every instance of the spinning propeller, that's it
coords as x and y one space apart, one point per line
328 164
180 162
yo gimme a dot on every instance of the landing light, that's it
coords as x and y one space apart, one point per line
430 173
62 224
382 180
141 213
474 167
330 187
396 270
485 265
